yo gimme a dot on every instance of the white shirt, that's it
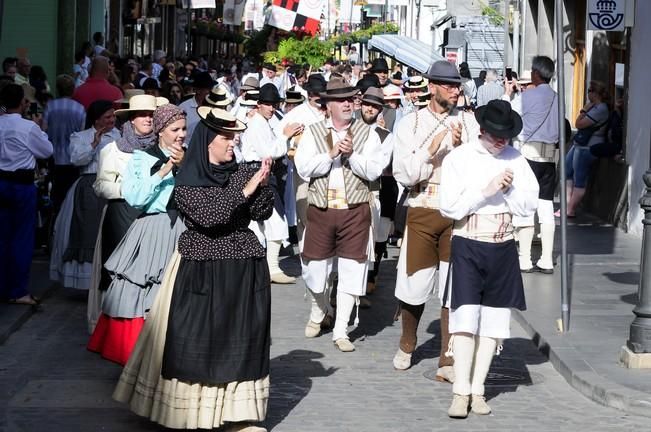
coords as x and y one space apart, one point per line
110 171
259 141
82 153
469 168
21 143
304 114
192 119
538 108
367 164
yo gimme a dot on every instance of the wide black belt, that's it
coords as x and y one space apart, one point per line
22 176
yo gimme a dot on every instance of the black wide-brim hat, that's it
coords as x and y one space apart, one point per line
379 65
269 94
443 71
219 119
203 80
498 118
316 83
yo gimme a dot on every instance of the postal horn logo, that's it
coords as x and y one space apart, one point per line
607 17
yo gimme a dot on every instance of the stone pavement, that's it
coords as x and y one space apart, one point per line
604 275
49 382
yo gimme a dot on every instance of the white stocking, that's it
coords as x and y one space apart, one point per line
484 352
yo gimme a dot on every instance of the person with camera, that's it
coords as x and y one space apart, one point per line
21 142
537 142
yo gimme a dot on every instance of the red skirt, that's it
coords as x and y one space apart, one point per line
115 338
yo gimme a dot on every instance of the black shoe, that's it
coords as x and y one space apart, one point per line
542 270
529 270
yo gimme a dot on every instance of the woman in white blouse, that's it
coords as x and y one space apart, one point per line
137 133
77 225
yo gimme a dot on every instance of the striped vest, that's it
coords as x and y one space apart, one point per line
357 189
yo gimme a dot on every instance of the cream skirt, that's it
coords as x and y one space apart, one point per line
176 404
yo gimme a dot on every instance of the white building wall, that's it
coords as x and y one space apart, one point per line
638 128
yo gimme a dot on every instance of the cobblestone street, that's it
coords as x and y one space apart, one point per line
50 382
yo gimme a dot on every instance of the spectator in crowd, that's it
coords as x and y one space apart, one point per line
491 90
62 117
38 80
469 86
128 76
591 124
97 86
99 48
160 58
173 92
21 143
203 83
87 49
353 56
80 73
145 72
9 67
151 87
23 66
380 68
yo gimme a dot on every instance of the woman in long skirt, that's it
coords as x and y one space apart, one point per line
137 134
202 359
137 264
78 222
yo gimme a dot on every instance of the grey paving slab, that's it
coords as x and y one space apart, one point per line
49 382
604 270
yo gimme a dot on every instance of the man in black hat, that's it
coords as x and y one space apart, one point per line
385 191
311 111
257 143
202 83
484 185
340 156
380 67
423 139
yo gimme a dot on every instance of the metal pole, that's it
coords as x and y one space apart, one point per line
507 39
560 73
187 28
386 12
639 340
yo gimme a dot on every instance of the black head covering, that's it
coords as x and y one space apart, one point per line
196 169
95 111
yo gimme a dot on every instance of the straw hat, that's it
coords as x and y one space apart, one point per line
251 98
293 97
128 94
139 103
220 120
423 99
30 93
218 97
160 101
391 92
416 82
525 78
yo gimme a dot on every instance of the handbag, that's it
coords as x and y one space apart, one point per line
582 136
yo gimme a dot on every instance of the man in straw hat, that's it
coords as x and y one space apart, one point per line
340 156
484 185
413 87
218 98
423 139
385 191
250 83
538 107
259 142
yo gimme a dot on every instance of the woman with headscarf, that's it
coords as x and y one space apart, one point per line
137 134
137 264
78 222
202 359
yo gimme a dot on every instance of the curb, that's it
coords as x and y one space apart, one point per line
578 373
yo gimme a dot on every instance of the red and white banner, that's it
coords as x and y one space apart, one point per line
297 14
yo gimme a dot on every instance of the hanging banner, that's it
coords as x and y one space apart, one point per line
606 15
254 18
347 16
233 12
296 14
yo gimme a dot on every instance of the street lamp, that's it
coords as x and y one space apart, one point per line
639 340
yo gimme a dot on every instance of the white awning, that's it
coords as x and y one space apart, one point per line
408 51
